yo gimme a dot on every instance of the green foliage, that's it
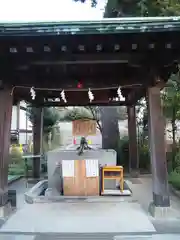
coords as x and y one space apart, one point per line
15 155
51 116
171 98
92 113
124 152
77 113
177 161
16 171
169 159
171 109
125 8
174 176
144 157
93 2
16 168
174 179
171 94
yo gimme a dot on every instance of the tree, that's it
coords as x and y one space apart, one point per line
125 8
142 121
90 113
93 2
84 113
50 117
171 107
107 122
171 102
130 8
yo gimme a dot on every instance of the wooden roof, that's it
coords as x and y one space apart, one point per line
100 54
104 26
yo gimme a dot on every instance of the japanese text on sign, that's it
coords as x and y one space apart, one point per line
84 128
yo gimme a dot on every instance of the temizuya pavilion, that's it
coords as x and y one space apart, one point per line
136 55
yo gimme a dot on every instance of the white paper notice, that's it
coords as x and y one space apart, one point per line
68 168
92 168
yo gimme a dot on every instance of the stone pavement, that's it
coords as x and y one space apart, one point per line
115 237
142 196
17 237
142 192
20 187
92 237
79 217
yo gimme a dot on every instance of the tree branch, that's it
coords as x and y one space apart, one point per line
95 118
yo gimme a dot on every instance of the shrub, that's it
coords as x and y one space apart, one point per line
15 155
169 157
124 152
143 151
174 179
144 157
177 159
16 171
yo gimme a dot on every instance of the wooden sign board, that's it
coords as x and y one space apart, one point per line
84 127
85 181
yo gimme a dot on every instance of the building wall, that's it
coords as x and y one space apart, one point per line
14 118
23 124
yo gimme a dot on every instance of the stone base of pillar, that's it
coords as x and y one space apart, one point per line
3 197
5 211
134 173
162 212
160 200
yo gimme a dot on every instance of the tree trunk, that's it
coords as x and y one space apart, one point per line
173 123
110 129
36 147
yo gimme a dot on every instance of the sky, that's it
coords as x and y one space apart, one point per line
49 10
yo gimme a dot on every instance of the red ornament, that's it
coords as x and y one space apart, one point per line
79 85
74 141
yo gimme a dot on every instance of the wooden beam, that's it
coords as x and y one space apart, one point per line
123 79
96 58
94 103
135 95
56 58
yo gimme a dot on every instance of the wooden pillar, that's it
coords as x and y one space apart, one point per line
18 116
133 147
42 124
18 119
37 134
5 127
157 149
